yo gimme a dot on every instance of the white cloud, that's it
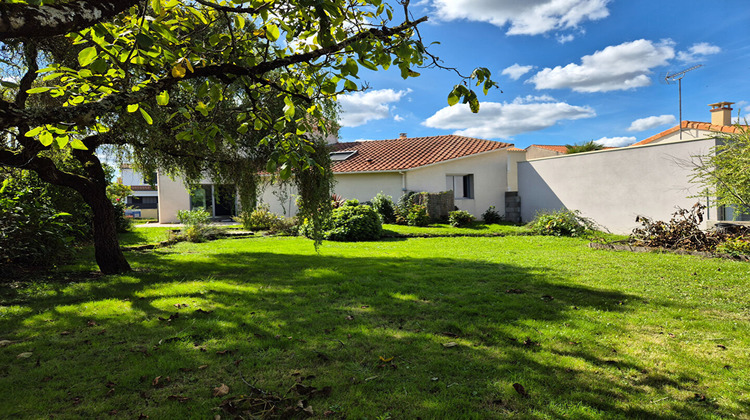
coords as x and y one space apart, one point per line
643 124
398 118
360 107
697 52
615 141
516 71
503 120
528 17
565 38
617 67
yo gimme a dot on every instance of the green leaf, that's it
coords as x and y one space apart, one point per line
349 85
46 138
133 107
271 166
288 108
144 41
87 56
453 97
162 99
62 141
202 108
34 131
146 117
272 32
78 144
39 89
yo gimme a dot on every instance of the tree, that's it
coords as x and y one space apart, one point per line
588 146
194 86
725 170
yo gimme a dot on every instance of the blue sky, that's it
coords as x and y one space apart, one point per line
569 71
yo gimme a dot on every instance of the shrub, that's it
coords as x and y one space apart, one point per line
491 216
196 224
460 218
32 231
561 223
259 219
735 246
383 204
354 222
417 216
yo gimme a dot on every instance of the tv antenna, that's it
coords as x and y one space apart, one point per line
670 78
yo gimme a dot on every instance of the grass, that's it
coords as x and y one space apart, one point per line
446 230
401 328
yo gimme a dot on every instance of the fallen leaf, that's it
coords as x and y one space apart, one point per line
721 346
450 344
700 397
223 352
113 413
180 398
449 334
155 382
514 291
201 367
547 298
349 317
65 333
520 389
91 323
201 311
186 370
25 355
435 378
221 390
386 360
4 343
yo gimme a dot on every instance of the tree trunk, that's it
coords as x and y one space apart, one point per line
107 250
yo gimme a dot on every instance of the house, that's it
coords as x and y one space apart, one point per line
145 199
536 151
650 178
475 170
479 172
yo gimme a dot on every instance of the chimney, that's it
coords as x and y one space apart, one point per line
402 135
721 113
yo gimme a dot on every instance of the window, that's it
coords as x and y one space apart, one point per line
339 156
462 185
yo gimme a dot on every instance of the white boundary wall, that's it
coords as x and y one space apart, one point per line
614 186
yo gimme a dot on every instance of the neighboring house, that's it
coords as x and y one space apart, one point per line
477 171
650 178
536 151
145 199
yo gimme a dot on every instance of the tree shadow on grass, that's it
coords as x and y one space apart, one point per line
430 338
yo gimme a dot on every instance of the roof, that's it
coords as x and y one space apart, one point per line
408 153
143 188
554 148
729 129
515 149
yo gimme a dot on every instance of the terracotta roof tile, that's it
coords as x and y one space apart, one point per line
554 148
408 153
515 149
696 125
143 188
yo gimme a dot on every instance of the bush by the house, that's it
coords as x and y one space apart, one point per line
460 218
735 246
417 216
491 216
383 204
561 223
196 224
262 218
354 222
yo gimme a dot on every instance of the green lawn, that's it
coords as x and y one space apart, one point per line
401 328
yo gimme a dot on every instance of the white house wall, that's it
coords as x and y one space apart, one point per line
614 186
173 196
490 180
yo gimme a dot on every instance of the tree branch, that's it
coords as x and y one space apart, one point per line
18 20
12 116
